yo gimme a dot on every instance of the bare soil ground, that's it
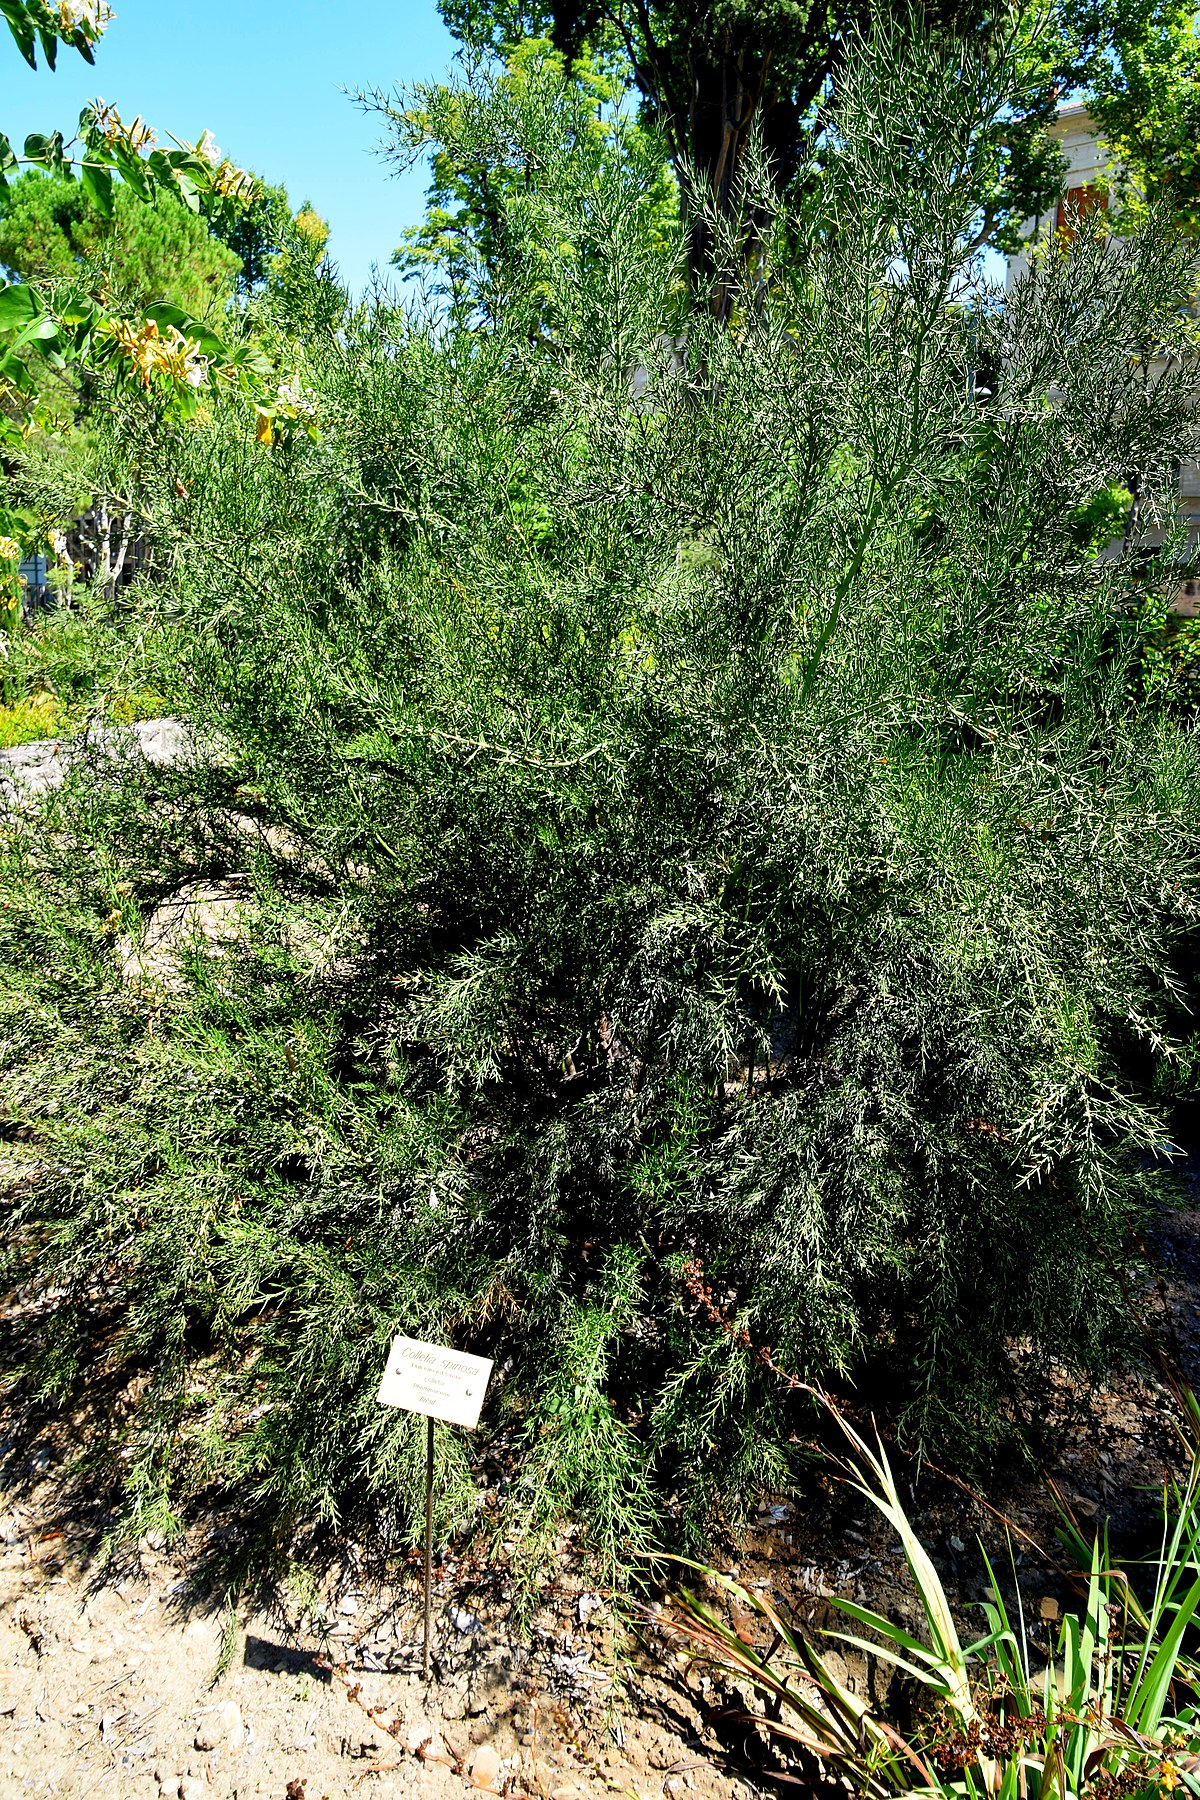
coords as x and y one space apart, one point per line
134 1683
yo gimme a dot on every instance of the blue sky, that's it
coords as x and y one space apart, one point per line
265 76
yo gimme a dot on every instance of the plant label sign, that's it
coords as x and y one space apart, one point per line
433 1380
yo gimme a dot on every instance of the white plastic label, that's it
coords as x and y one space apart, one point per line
433 1380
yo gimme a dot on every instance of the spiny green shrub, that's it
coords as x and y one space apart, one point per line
678 798
86 662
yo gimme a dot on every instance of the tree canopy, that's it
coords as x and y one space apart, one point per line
712 76
52 227
1148 108
261 229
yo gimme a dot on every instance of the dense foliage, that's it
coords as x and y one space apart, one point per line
1111 1710
660 800
51 228
713 77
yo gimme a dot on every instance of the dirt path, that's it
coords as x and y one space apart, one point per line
114 1687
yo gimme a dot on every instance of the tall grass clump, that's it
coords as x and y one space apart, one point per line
676 796
1107 1705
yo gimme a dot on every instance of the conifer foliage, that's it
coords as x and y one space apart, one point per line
677 799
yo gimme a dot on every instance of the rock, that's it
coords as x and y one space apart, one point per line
465 1622
485 1766
349 1606
588 1604
957 1545
31 770
223 1729
192 1788
200 915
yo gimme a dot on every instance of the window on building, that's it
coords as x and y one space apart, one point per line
1076 204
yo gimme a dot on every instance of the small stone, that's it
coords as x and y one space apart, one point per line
348 1606
485 1766
465 1622
192 1788
222 1729
1048 1609
588 1604
957 1545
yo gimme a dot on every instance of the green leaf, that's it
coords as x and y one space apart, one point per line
133 171
18 23
18 304
42 149
98 186
12 369
188 192
1145 1709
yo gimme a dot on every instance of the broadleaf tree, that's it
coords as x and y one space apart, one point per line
716 75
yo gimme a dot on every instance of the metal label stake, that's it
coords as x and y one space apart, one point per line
441 1384
428 1548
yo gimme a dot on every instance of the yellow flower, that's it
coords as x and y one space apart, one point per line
10 550
228 180
174 356
233 183
88 16
112 127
